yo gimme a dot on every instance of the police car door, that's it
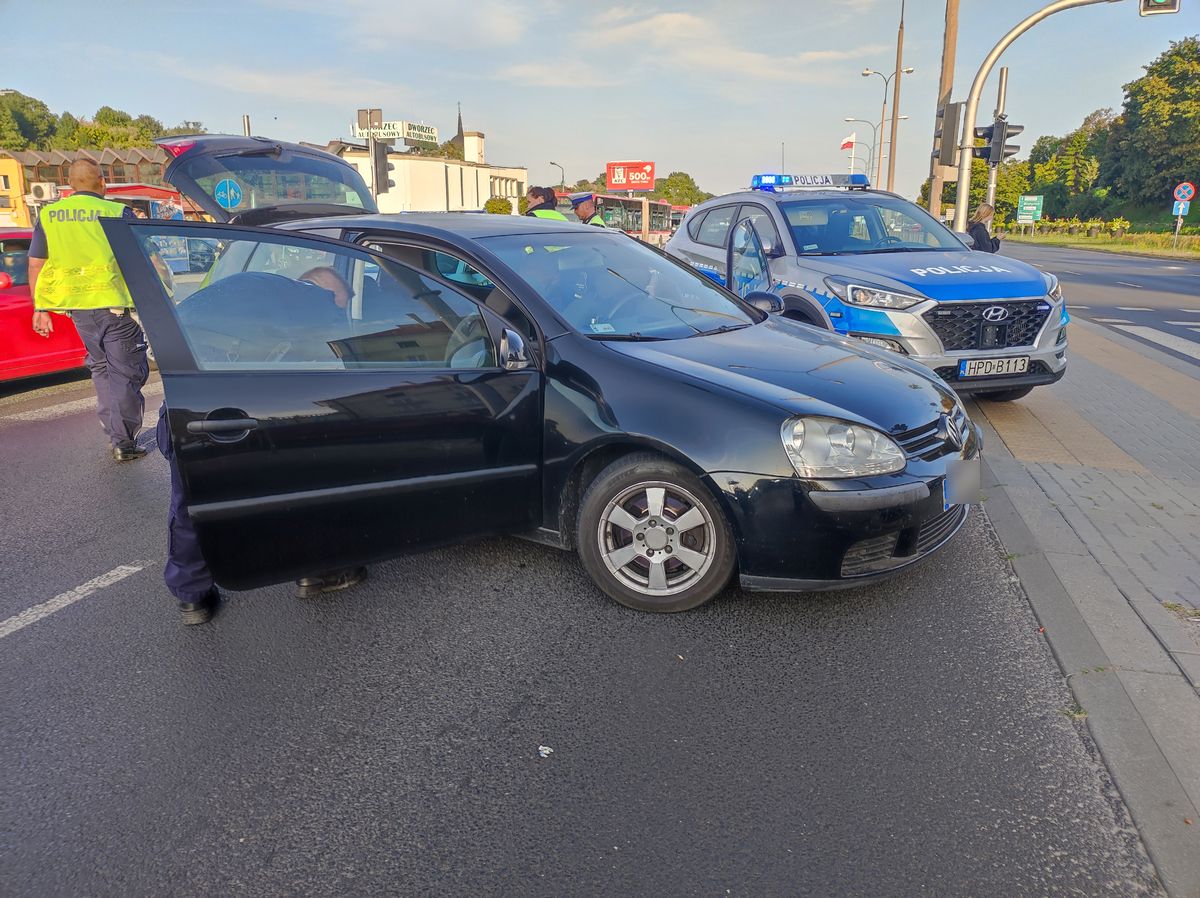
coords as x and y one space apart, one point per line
329 406
746 261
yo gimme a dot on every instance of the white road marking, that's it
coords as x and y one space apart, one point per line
1179 344
59 602
69 408
1183 323
1127 284
1133 309
1112 320
1069 306
1190 311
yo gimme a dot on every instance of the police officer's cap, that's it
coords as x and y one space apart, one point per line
577 198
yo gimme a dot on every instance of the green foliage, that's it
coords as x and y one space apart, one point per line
446 150
680 189
28 124
498 205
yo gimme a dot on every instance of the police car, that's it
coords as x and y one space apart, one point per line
872 265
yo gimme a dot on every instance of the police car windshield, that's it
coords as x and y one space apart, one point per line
858 223
609 287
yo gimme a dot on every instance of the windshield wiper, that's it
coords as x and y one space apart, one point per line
723 329
627 338
901 249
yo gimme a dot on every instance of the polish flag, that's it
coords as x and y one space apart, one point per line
849 142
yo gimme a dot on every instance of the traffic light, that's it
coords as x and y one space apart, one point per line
380 166
985 134
945 133
1001 148
1158 7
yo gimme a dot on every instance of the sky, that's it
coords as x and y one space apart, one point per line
717 89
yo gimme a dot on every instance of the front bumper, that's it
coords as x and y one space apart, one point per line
795 535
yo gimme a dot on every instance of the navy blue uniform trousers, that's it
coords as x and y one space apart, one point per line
116 357
186 573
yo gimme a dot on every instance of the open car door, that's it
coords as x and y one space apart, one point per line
328 406
746 261
258 181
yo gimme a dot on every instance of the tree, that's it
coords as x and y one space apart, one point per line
447 150
498 205
680 189
1044 149
33 120
1159 135
112 118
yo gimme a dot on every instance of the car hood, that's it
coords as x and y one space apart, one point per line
803 370
944 275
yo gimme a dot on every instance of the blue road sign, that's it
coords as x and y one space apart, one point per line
228 194
1180 208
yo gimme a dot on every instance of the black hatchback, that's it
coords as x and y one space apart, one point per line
344 387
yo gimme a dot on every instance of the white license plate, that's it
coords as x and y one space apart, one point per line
961 486
1017 364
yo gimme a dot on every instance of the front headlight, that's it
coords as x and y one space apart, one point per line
828 448
872 297
1053 288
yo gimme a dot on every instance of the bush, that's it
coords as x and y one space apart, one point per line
498 205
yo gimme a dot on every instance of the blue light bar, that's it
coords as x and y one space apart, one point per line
771 183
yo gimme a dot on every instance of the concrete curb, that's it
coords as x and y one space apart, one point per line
1133 709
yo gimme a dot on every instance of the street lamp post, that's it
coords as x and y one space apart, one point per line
887 81
562 175
874 139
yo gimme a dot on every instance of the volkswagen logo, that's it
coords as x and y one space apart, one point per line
950 431
995 313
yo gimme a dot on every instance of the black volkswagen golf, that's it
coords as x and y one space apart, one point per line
344 387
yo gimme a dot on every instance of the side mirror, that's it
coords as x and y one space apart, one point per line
766 302
773 251
966 238
512 351
5 280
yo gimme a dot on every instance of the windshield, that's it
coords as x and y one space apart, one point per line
240 183
611 287
14 260
864 223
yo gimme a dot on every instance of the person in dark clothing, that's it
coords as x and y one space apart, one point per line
978 226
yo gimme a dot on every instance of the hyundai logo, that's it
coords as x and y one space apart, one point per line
995 313
950 431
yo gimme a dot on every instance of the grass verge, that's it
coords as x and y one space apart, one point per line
1158 245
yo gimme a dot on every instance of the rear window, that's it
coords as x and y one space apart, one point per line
14 260
242 183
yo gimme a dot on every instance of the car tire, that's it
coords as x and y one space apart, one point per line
1006 395
803 317
629 547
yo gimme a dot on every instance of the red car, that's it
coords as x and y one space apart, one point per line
22 352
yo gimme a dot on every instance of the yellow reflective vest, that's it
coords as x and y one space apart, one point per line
81 271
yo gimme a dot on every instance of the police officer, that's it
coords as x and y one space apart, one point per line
586 210
72 271
542 201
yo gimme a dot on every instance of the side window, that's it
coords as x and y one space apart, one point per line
715 226
693 225
474 282
346 310
763 224
906 229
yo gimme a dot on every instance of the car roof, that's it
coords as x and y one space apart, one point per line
767 196
464 224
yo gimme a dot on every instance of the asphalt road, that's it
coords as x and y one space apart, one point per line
482 721
1156 301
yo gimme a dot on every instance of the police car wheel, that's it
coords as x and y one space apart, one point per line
1006 395
652 537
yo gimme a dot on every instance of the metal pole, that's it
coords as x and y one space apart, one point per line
994 169
853 146
945 90
874 142
896 100
1178 226
246 125
882 125
967 142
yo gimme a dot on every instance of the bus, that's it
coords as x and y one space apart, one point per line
625 213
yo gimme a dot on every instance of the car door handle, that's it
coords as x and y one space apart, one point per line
228 425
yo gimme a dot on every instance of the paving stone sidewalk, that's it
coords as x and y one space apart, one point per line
1094 487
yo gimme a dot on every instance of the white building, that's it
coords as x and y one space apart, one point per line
430 184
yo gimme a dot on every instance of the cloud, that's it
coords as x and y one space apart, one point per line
570 74
683 40
394 27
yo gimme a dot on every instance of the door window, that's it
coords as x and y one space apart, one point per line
716 225
303 305
747 263
761 219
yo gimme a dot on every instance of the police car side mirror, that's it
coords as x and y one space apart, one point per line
773 251
763 301
967 240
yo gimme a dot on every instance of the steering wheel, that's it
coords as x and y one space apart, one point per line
888 240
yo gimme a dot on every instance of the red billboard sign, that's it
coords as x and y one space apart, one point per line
630 175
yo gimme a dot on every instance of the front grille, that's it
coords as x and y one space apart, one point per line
927 443
949 373
935 530
870 555
961 325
